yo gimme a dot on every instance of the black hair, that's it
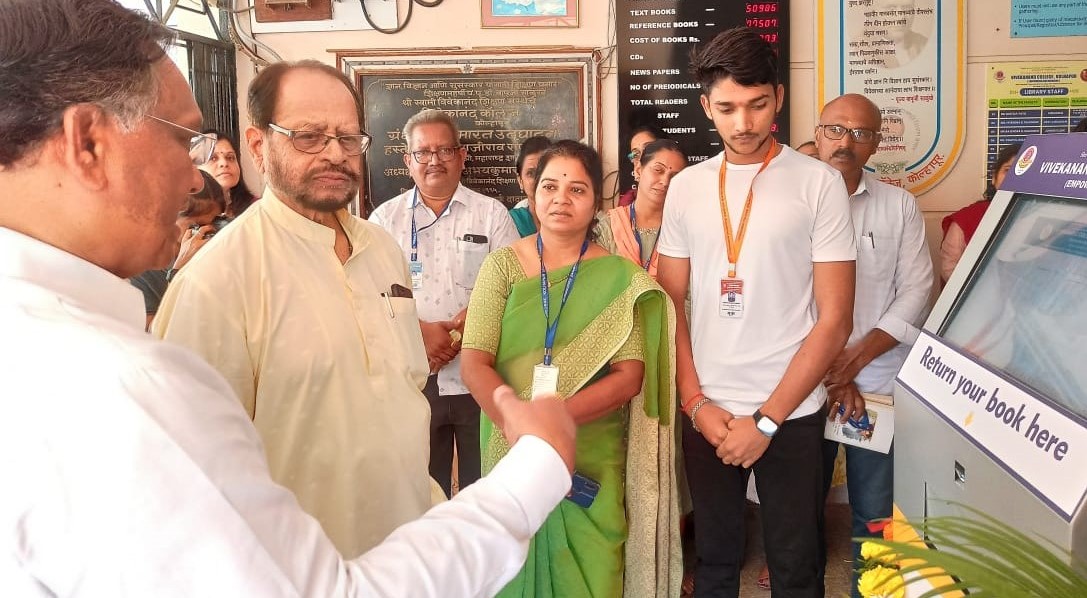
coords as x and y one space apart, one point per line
738 53
590 160
212 191
265 89
1081 126
1005 155
532 145
653 147
240 197
654 130
58 53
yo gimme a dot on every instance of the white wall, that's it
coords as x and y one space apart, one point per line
455 23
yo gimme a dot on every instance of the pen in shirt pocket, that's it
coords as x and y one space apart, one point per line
389 305
871 238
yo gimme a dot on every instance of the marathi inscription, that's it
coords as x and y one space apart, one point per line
496 112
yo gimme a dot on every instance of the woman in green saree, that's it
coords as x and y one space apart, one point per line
610 329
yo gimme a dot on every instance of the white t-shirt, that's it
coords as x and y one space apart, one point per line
799 215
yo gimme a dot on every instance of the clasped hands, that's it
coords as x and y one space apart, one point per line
441 341
737 440
842 392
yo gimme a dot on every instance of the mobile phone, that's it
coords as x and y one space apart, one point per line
862 423
470 238
583 491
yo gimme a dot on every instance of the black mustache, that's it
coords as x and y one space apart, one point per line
844 153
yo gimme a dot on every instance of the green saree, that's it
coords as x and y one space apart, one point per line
627 542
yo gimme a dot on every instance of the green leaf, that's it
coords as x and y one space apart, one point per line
987 557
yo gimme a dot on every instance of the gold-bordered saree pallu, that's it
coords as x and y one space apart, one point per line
627 543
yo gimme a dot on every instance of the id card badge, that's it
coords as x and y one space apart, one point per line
732 298
583 490
545 379
416 271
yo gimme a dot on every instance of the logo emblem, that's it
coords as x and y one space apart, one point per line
1026 159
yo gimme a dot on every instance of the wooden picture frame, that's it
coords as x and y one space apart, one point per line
533 13
498 100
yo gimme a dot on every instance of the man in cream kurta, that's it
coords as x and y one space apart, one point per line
309 324
329 369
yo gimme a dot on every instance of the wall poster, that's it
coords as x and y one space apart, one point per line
909 57
1049 18
1027 98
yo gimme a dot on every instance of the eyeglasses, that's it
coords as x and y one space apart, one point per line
444 154
315 142
634 154
836 132
200 146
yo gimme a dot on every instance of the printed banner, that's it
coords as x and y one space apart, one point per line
1027 98
1051 165
909 57
1041 447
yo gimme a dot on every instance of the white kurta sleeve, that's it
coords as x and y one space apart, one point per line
474 544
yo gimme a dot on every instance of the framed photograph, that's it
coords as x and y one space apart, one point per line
529 13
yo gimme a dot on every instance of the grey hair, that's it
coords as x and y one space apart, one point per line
430 116
59 53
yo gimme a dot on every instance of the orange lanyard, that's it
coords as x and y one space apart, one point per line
733 244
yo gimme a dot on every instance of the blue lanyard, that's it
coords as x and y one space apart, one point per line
545 292
638 238
414 232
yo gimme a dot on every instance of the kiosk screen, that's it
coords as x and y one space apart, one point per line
1024 308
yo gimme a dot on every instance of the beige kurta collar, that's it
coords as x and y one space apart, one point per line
299 225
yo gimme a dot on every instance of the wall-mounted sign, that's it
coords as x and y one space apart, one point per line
1040 446
1048 18
909 57
1028 98
655 38
497 101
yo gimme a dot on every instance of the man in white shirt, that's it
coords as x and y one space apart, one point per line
129 467
761 237
445 230
894 281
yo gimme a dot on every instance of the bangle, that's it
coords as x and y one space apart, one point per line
691 401
694 412
170 274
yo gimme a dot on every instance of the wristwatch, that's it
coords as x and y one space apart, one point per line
765 424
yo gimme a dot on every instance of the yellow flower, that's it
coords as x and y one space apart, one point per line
881 582
870 551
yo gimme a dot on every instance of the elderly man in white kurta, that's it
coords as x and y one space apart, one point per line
307 312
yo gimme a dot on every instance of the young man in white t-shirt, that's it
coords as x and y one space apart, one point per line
772 306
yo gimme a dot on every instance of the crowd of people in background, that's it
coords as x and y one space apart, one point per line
442 352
